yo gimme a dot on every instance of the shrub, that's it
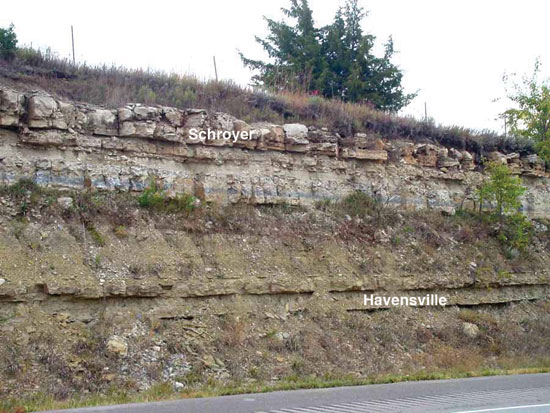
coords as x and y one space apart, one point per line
96 235
516 232
359 204
152 197
156 199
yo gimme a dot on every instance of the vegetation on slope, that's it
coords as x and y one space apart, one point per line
251 345
113 87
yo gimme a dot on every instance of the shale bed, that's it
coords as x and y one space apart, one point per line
100 291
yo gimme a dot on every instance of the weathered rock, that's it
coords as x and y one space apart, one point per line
497 157
173 116
324 148
270 137
45 112
11 107
295 131
447 162
470 330
375 155
137 129
102 122
65 202
117 345
122 149
194 118
426 155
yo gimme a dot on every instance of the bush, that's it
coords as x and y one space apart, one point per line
359 204
516 232
151 197
156 199
8 42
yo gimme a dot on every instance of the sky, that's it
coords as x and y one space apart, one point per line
454 53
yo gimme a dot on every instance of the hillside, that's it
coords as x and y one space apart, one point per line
138 264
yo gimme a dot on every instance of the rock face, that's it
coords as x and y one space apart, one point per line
70 145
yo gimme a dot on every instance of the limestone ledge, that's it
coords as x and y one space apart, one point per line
81 125
164 305
451 284
72 145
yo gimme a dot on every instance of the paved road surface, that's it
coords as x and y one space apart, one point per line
504 394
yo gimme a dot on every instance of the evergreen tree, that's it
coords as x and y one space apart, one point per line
296 51
8 42
336 60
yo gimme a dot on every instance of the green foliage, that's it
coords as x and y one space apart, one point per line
8 42
25 192
503 190
531 118
516 232
359 204
156 199
96 235
152 197
336 61
146 95
22 187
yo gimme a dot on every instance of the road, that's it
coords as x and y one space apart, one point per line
506 394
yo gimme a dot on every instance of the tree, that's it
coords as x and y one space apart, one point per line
336 60
8 42
295 51
531 118
501 189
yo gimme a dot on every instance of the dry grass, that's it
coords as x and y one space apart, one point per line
115 86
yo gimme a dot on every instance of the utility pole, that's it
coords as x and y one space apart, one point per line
72 38
215 68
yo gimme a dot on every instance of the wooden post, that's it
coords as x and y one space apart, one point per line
72 38
425 112
215 68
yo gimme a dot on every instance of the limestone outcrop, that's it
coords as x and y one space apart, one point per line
71 145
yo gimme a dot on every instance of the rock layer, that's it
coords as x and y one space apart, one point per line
71 145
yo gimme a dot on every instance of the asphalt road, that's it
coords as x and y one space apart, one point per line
506 394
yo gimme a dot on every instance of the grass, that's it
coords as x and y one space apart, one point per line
114 86
165 391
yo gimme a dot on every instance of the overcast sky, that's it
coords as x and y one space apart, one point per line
453 52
